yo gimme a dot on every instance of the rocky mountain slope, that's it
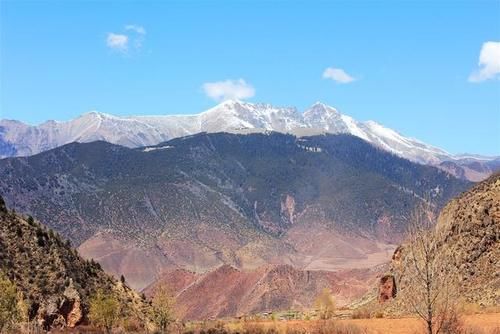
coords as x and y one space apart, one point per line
19 139
468 233
470 225
229 292
319 203
55 281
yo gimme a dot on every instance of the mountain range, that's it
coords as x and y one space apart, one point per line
19 139
323 202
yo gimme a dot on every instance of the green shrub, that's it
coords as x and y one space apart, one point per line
9 312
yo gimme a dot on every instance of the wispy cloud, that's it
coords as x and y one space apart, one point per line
228 90
132 38
489 63
136 28
337 75
117 42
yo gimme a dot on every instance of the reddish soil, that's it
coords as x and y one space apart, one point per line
229 292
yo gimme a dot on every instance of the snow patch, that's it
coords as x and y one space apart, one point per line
353 128
156 148
314 149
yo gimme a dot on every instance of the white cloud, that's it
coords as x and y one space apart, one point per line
132 39
117 41
489 63
137 28
228 90
337 75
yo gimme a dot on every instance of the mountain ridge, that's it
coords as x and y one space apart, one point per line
19 139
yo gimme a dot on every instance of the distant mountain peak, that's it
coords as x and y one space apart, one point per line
322 106
231 102
97 114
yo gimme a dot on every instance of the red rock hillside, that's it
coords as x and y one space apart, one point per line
229 292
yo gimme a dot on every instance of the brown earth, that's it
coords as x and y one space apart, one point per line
305 246
229 292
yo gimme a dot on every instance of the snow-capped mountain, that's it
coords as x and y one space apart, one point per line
19 139
328 119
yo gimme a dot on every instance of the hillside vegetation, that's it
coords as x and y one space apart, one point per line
53 282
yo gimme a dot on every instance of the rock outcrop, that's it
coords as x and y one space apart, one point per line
74 306
470 227
387 288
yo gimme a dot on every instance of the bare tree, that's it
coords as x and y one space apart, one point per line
430 279
325 304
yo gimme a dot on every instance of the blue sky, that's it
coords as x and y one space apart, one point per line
412 66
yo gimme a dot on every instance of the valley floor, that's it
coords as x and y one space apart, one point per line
485 323
478 324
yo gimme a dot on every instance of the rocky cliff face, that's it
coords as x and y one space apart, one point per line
468 227
55 281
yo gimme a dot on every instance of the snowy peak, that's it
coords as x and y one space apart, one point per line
94 115
236 115
321 108
320 113
324 117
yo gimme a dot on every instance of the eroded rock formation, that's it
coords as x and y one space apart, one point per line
387 288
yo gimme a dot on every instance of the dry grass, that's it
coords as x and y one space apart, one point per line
487 323
281 327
